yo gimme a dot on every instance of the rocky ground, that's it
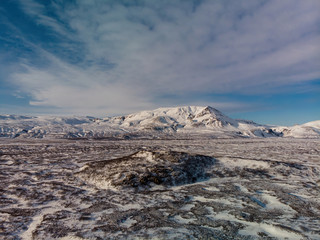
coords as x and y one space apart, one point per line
160 189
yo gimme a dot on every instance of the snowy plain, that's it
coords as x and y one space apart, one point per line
170 173
262 188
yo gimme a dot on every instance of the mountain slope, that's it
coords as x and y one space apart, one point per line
191 120
176 118
307 130
176 122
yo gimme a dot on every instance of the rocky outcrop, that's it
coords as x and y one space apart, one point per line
145 169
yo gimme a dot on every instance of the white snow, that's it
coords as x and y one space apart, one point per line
314 124
146 155
128 222
187 207
49 209
129 206
274 203
70 237
182 220
253 227
290 195
203 199
182 120
212 188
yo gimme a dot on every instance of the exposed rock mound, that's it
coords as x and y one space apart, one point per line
146 168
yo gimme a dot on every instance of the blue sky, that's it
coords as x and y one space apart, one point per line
253 59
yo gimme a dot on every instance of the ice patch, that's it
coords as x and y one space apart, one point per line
255 228
187 207
130 206
27 235
83 168
149 156
203 199
261 204
169 233
231 202
212 188
274 203
70 237
182 220
128 222
242 188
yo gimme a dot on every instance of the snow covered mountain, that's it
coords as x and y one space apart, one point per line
176 122
177 118
307 130
191 120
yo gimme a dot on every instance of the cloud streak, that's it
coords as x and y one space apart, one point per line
132 52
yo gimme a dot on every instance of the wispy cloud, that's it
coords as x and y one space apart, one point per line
39 13
134 51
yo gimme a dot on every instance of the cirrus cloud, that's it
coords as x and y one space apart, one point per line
130 53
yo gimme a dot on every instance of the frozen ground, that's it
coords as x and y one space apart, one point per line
245 189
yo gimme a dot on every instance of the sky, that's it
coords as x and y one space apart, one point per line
252 59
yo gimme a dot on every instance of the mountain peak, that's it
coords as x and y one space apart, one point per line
211 109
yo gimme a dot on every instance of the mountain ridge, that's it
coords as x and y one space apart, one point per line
172 122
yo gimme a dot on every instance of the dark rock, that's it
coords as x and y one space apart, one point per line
145 168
